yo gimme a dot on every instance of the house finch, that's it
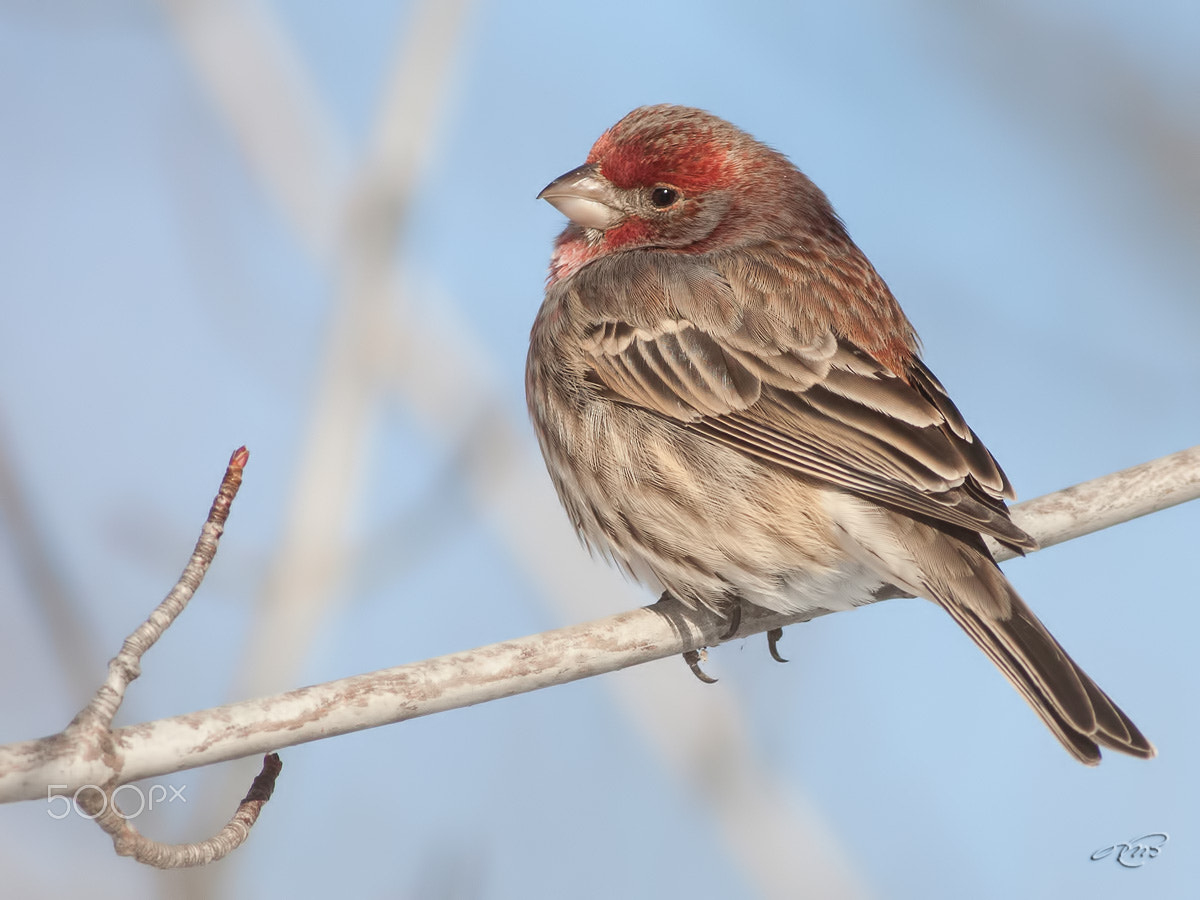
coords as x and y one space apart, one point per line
732 407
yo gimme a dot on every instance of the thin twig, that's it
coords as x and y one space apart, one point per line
127 664
90 734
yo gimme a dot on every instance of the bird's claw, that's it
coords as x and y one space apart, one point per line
693 658
773 638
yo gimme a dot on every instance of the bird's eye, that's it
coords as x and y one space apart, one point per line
662 197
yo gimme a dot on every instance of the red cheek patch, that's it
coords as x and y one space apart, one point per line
631 231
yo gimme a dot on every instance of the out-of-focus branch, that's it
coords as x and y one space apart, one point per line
312 553
512 667
1020 53
251 74
50 597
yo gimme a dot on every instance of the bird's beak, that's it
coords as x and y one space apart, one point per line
585 197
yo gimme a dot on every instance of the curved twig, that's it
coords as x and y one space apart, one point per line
128 841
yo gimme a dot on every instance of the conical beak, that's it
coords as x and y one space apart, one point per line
585 197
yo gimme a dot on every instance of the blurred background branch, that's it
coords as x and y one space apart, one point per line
441 374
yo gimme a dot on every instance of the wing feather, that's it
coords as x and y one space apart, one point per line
808 400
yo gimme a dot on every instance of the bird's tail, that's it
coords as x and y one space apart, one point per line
961 576
1073 707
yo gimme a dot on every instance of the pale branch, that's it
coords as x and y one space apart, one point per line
508 668
1109 500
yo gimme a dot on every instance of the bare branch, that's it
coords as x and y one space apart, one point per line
512 667
1109 500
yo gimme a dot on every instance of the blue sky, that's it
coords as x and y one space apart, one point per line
1025 179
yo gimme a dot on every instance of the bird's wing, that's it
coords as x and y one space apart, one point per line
808 400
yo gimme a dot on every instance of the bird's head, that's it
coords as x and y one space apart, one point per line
676 178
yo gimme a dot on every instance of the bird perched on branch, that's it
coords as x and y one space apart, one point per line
732 406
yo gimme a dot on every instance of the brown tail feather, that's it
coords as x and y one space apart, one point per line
1025 652
961 576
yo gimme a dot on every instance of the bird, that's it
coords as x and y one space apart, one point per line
733 408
